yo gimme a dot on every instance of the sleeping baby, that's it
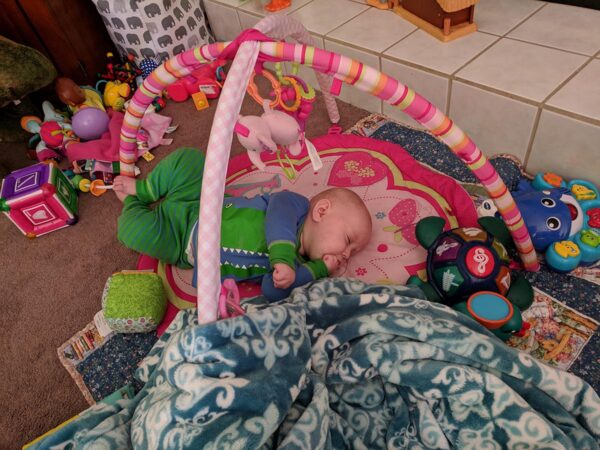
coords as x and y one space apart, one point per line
281 239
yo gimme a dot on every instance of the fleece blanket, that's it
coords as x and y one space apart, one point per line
341 364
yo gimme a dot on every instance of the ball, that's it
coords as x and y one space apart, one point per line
90 123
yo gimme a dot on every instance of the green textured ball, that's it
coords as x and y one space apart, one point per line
134 302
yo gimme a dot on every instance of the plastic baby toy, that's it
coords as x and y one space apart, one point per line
562 218
468 269
207 78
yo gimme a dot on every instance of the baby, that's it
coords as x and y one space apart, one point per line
282 238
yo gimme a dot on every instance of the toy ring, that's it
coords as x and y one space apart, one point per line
297 95
252 89
279 72
96 187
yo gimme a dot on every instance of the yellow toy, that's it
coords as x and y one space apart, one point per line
115 94
200 100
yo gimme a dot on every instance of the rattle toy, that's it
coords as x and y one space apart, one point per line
462 263
96 187
294 87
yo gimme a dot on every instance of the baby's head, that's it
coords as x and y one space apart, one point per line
338 224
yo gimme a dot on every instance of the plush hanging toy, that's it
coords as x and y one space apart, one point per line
271 131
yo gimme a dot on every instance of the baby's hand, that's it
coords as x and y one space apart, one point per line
333 264
124 186
283 275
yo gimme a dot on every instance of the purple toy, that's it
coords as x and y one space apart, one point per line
90 123
38 199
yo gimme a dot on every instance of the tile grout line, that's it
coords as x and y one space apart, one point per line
572 52
564 112
568 79
333 29
525 20
534 128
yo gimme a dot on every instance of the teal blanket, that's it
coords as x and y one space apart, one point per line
341 364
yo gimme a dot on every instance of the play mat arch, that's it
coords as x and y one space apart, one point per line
267 43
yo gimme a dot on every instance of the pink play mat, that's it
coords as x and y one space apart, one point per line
398 191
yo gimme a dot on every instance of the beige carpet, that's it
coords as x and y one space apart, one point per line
50 287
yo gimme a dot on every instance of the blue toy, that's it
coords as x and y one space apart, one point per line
562 218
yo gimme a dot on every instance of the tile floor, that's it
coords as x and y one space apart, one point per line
527 82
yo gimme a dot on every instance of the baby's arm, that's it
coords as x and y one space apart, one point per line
284 214
305 273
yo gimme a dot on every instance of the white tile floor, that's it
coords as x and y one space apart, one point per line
527 82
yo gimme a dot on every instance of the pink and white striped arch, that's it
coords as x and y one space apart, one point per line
326 65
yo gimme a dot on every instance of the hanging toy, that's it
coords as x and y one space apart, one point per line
283 120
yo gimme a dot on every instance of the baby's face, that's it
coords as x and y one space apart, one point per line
340 234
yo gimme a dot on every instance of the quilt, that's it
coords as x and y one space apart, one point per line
340 364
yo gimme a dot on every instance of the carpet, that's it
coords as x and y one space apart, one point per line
563 317
51 287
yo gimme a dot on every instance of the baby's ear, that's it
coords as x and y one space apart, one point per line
320 209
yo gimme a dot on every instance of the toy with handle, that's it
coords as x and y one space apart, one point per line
247 49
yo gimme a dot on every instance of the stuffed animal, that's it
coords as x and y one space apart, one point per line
115 94
270 130
53 133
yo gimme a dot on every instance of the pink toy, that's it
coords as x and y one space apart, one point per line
273 130
38 199
206 78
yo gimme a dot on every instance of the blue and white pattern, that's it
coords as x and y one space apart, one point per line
341 364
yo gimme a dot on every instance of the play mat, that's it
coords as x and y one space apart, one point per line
397 190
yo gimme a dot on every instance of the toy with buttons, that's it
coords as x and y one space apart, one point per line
583 245
468 269
563 219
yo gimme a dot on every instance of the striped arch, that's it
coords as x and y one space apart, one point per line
325 63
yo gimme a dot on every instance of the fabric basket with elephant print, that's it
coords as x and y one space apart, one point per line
154 28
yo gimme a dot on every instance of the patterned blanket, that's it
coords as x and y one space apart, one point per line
341 364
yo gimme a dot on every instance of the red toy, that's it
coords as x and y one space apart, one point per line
207 78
